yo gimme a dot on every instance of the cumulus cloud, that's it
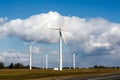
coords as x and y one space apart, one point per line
11 55
89 35
3 20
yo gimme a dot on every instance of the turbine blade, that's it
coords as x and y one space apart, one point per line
33 41
63 37
65 19
26 43
54 28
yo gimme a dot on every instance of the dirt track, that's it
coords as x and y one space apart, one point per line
98 77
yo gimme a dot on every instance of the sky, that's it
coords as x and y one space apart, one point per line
91 29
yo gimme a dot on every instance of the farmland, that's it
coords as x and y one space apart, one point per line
25 74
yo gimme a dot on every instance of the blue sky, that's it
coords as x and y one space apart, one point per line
107 10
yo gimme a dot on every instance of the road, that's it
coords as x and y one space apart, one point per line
100 77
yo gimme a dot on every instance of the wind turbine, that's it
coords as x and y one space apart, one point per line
61 36
74 60
46 61
30 52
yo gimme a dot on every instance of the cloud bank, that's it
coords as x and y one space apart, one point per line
90 36
13 56
38 56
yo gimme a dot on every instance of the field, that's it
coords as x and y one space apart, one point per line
25 74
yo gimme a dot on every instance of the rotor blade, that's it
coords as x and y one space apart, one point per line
60 33
54 28
26 43
33 41
65 19
62 24
74 51
63 37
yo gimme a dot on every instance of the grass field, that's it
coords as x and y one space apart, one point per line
25 74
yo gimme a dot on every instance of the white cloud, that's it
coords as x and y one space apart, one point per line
3 20
13 56
38 57
89 35
36 50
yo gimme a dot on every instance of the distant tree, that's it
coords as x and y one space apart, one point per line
16 66
19 66
11 66
71 67
117 67
95 66
101 66
65 67
27 67
34 67
2 65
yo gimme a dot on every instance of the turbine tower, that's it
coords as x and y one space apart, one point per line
73 60
61 36
30 52
46 61
74 57
60 46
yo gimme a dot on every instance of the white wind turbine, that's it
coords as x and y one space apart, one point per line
74 60
30 52
61 36
46 61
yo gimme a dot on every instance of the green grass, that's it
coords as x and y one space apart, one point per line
23 74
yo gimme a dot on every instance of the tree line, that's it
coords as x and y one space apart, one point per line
21 66
14 66
101 66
